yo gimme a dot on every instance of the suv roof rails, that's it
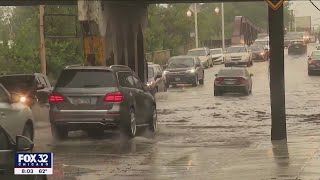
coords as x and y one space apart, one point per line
75 65
121 66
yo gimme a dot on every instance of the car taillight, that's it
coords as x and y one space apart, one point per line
219 80
54 97
313 62
113 97
242 80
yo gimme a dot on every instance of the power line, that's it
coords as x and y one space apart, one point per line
314 5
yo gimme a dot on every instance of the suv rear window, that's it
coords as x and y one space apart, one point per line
86 78
231 72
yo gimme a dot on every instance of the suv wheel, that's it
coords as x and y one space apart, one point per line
58 133
201 81
129 126
154 120
195 81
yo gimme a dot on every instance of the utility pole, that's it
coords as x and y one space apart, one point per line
276 66
42 48
222 21
196 24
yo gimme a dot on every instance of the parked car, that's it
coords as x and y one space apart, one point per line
203 54
34 87
8 147
233 80
156 82
184 70
217 55
314 62
297 47
16 117
259 53
95 98
238 55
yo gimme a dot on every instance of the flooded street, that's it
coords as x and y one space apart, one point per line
199 135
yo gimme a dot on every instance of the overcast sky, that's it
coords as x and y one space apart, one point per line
305 8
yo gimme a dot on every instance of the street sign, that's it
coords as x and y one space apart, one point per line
275 4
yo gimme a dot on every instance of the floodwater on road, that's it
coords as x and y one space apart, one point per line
198 133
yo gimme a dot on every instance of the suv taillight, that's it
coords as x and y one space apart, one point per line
219 80
242 80
55 97
114 97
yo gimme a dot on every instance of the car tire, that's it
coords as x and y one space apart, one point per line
153 126
58 133
246 92
195 81
129 126
216 92
201 81
28 131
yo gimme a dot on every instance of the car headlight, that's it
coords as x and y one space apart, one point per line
23 99
165 72
191 71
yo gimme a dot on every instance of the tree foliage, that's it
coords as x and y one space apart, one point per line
22 28
170 27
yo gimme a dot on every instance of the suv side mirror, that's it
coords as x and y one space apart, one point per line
165 66
40 86
251 75
23 143
216 75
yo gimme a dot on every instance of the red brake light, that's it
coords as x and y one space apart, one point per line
313 62
219 80
113 97
242 80
54 97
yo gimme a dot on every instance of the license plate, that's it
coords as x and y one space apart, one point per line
84 100
229 82
177 79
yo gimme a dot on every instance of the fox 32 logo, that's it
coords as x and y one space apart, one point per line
33 163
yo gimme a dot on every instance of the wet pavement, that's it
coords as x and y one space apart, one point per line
205 137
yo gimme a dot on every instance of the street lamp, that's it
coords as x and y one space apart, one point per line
189 13
222 23
216 10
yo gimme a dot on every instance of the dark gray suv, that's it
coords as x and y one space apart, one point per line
95 98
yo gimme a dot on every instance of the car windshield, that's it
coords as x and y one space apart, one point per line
86 78
315 54
256 48
150 72
261 43
236 49
216 51
181 63
18 83
197 53
231 72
